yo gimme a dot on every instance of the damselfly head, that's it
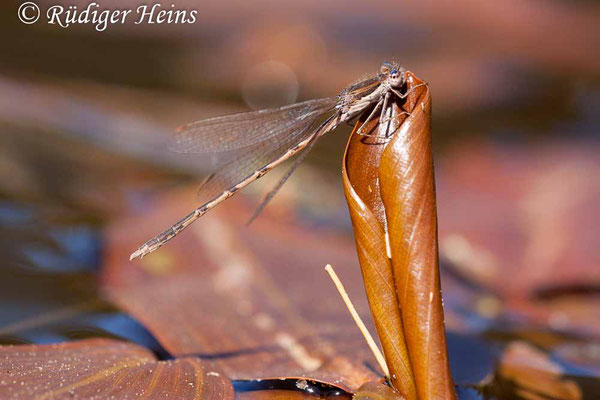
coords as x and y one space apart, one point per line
392 74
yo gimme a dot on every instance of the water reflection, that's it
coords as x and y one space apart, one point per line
48 284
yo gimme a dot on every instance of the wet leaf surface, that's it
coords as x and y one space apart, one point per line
102 368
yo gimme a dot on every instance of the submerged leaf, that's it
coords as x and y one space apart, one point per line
102 368
528 373
390 191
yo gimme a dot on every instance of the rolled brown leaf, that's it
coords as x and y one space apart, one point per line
390 188
361 186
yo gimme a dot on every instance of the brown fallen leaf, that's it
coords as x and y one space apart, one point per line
532 375
390 190
530 210
361 187
238 295
103 368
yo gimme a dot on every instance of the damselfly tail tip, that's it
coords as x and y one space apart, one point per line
141 252
145 249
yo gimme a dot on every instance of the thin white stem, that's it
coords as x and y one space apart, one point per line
361 325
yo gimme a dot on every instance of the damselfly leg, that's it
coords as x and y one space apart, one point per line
405 95
360 130
383 119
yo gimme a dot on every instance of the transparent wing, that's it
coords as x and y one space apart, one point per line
235 167
269 196
236 131
249 164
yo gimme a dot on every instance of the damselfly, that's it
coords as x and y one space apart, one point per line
248 145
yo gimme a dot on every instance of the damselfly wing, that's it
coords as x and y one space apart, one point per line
246 146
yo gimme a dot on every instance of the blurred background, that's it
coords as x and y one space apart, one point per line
84 117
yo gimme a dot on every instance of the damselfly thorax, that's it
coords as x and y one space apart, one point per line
246 146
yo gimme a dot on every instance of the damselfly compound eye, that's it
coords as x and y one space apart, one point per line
385 68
